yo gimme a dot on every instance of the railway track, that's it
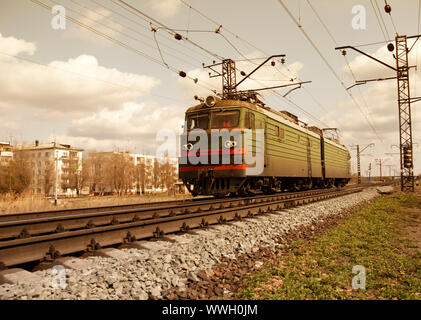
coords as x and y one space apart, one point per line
21 216
46 237
59 212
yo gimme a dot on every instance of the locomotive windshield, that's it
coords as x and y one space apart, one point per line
198 121
226 119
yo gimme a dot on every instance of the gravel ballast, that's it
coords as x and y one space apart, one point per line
167 269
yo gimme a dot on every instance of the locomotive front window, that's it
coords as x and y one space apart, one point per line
227 119
198 121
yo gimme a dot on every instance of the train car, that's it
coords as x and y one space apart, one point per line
295 157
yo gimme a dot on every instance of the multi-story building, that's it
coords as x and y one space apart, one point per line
55 166
138 173
154 170
6 153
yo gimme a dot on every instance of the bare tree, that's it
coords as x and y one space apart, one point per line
47 177
168 174
17 175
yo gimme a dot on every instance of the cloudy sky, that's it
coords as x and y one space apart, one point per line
114 89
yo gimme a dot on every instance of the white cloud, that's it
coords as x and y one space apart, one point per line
88 113
76 87
13 46
138 123
165 8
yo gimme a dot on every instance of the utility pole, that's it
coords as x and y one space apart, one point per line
56 178
369 171
390 169
358 164
380 162
357 147
404 102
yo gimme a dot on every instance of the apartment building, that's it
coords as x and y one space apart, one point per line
55 166
131 172
6 153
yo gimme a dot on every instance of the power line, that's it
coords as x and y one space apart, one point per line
146 17
227 30
122 44
330 68
388 10
144 27
381 17
83 75
251 45
336 44
116 30
132 29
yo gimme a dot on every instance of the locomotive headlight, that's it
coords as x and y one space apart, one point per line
211 101
188 146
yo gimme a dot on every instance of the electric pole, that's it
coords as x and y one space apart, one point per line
380 162
390 169
369 171
404 102
357 147
56 177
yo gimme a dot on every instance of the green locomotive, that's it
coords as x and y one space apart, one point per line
295 157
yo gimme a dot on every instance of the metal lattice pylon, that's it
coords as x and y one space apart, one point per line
404 102
228 79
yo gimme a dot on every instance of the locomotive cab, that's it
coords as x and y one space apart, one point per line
211 161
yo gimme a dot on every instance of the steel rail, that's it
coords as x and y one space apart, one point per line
61 212
58 212
50 246
53 224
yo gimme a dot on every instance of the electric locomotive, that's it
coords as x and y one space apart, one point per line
293 156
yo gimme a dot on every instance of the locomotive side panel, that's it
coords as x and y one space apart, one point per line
336 161
290 152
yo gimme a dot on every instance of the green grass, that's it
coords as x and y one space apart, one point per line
372 237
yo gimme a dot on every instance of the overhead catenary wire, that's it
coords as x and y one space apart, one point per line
251 45
117 41
380 16
137 32
345 58
82 75
122 44
390 15
226 30
146 28
116 30
331 69
141 14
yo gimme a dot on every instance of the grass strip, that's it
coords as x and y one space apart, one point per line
373 237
